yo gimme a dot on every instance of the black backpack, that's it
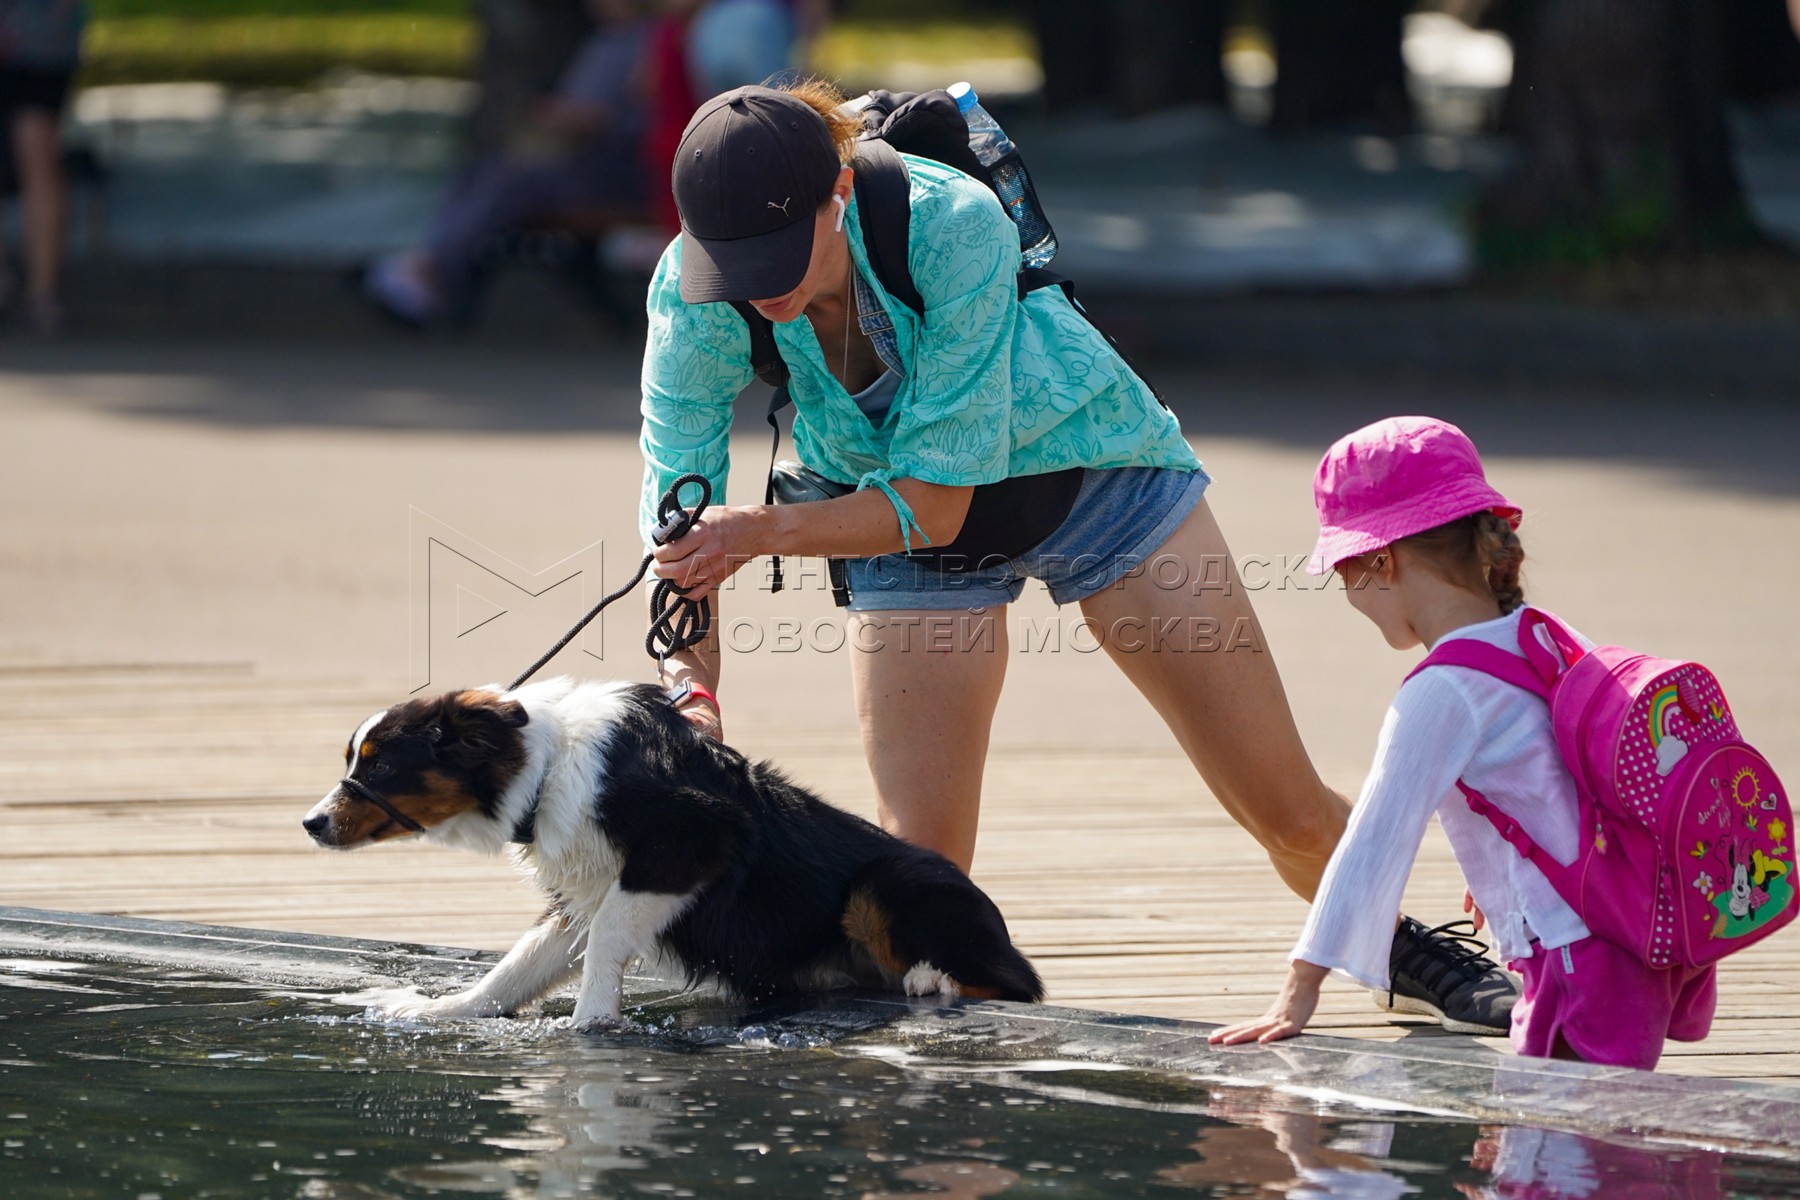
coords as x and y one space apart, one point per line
1007 517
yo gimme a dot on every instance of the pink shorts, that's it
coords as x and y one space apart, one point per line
1604 1004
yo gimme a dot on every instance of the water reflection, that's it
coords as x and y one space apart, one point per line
953 1180
118 1082
1529 1163
1265 1143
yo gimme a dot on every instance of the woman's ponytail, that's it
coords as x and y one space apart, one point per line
824 99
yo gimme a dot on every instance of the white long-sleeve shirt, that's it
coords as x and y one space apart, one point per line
1446 724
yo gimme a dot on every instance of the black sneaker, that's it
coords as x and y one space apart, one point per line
1445 973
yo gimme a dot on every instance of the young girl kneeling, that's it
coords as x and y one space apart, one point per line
1427 552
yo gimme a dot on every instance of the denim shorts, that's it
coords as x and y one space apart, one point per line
1120 517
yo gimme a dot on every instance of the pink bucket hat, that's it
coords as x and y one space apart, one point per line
1393 479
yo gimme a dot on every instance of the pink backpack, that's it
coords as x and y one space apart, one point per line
1687 847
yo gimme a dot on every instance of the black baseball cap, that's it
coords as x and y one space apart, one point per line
753 167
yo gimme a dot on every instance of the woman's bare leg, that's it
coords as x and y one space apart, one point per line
927 683
44 193
1212 679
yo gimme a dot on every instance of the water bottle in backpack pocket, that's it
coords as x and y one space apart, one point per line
1006 170
1686 849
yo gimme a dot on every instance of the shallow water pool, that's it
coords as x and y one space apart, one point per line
137 1081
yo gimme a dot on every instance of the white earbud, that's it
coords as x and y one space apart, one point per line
839 201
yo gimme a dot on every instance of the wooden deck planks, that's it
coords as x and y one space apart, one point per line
1128 886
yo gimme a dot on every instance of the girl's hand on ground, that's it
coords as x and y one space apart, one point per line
1286 1017
1469 906
709 553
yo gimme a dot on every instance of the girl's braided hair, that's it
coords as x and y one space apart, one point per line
1480 552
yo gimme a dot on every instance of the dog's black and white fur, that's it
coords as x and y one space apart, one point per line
648 836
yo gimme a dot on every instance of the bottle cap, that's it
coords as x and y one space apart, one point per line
964 95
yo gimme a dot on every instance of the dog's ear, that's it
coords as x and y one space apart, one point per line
475 722
491 707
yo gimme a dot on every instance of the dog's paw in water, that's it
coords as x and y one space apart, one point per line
404 1003
410 1003
377 998
602 1024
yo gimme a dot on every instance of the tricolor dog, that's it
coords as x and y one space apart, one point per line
649 837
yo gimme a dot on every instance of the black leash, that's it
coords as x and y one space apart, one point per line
676 623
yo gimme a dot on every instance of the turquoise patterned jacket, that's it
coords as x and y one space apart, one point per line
994 386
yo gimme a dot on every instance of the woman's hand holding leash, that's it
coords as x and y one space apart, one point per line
711 552
1292 1009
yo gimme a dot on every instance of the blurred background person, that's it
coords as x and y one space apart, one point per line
525 48
672 99
40 47
736 42
700 48
580 150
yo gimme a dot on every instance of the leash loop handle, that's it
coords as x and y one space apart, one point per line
677 623
673 521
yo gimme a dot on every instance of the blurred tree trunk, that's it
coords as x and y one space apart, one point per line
1075 45
1762 55
1169 54
525 44
1135 56
1618 111
1339 61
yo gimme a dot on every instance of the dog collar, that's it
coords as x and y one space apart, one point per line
524 831
364 792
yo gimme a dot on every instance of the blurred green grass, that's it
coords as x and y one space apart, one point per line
274 50
290 43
